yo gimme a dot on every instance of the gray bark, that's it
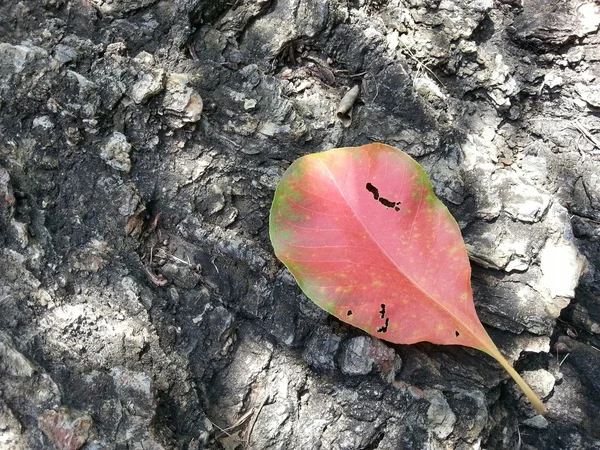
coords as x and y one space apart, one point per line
140 145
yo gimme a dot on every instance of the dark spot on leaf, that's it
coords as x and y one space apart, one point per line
382 311
349 313
373 190
384 328
456 333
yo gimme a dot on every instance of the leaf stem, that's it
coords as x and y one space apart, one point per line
535 401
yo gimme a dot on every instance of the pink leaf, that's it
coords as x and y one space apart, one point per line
363 233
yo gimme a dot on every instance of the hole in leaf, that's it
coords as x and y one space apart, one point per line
384 328
456 333
373 190
349 313
382 311
384 201
387 203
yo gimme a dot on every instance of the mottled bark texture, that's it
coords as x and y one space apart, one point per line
140 145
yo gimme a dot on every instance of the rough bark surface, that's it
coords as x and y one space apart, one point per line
140 145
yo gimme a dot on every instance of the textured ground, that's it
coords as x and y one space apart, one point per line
140 145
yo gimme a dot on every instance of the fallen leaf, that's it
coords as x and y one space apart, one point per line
365 237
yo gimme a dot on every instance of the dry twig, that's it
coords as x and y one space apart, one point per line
587 134
254 418
421 65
